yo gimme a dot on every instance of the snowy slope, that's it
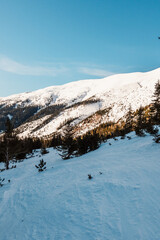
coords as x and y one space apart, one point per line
116 92
84 89
62 204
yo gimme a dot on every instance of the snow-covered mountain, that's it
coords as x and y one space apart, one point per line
43 112
122 203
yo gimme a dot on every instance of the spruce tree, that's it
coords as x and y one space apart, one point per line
155 108
8 137
68 144
82 145
129 121
93 140
8 127
150 128
139 129
41 166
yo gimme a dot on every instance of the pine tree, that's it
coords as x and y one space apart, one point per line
155 108
157 139
82 146
41 166
8 137
89 142
68 144
150 128
93 141
8 127
139 129
129 121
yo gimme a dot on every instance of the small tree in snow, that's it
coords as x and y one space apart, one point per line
41 166
157 139
90 176
1 181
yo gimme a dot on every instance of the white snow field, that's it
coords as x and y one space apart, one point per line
122 203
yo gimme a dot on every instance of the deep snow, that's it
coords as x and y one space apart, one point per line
122 203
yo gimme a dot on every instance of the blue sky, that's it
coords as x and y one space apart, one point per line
52 42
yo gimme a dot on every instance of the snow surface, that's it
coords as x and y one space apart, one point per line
122 203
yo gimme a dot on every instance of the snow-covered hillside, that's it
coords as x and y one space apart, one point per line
82 90
79 100
62 204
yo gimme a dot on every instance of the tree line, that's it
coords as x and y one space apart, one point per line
141 121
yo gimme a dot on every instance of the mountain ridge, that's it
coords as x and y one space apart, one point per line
78 100
93 82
